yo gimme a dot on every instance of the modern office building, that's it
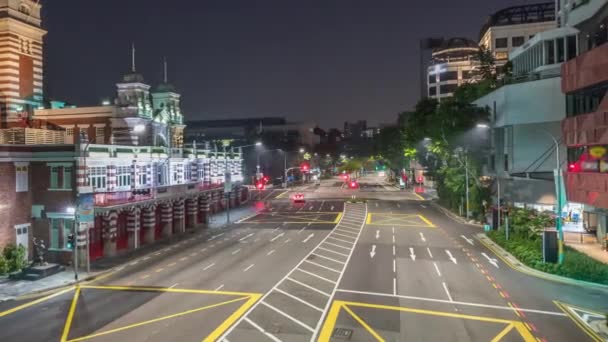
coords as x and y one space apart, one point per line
512 27
585 85
453 63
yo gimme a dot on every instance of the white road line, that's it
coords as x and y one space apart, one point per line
303 325
424 206
277 228
316 275
422 237
551 313
269 253
208 266
393 229
394 286
299 231
437 269
235 252
394 266
333 244
328 258
469 241
174 285
269 335
394 251
308 286
345 231
246 237
430 254
445 287
350 237
450 256
286 241
308 238
248 268
412 254
490 260
276 237
332 208
393 238
298 299
329 250
325 267
219 287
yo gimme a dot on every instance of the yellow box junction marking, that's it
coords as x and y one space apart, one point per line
396 220
337 306
304 217
565 308
419 197
34 302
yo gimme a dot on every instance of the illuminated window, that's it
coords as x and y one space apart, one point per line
123 176
98 177
21 178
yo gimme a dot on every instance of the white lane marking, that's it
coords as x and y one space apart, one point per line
490 260
376 204
216 236
248 268
412 254
424 206
333 238
335 245
394 266
437 269
316 276
430 254
309 287
174 285
422 237
300 323
350 237
470 241
377 234
299 231
328 258
394 251
286 241
269 335
298 299
246 237
308 238
445 287
345 231
219 287
309 223
277 228
269 253
394 286
372 252
507 308
325 267
398 205
146 258
451 256
332 251
134 263
393 238
208 266
276 237
393 229
236 251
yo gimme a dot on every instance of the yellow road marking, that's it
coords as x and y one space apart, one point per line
165 289
215 334
330 322
159 270
419 197
144 276
338 217
576 320
363 324
368 220
27 305
503 333
68 320
282 194
402 220
426 220
171 264
514 309
156 320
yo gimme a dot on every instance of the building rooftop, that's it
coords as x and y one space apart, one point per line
516 15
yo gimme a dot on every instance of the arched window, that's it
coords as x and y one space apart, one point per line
25 9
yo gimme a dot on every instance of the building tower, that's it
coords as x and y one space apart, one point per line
21 65
167 111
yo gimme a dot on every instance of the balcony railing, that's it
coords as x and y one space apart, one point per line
31 136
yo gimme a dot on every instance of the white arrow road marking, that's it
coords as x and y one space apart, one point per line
373 252
422 237
332 208
276 237
377 234
299 231
412 255
246 237
470 241
450 256
490 260
308 238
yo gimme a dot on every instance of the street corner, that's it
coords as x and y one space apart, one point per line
398 220
593 323
295 217
121 312
358 321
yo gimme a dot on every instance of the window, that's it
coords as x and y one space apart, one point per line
68 228
517 41
69 132
67 178
55 225
506 162
187 172
55 177
570 47
161 173
100 135
432 91
501 43
550 51
98 177
448 76
432 79
21 178
561 53
447 88
123 176
199 172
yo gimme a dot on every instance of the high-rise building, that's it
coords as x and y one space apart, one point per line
453 63
21 62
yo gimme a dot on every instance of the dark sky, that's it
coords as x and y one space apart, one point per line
318 60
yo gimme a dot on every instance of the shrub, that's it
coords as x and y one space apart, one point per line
15 257
3 264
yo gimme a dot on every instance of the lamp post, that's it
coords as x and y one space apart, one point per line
558 202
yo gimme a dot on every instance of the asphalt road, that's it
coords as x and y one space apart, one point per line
389 268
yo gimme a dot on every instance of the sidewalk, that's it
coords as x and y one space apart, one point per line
12 289
593 250
515 264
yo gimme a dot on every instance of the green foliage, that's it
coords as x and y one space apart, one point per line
529 223
3 265
487 68
15 257
529 251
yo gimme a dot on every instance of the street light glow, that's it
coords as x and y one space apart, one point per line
301 150
258 143
139 128
70 210
482 125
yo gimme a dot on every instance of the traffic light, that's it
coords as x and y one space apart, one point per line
71 242
353 185
259 185
304 167
265 179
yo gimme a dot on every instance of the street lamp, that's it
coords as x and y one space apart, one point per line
558 202
302 150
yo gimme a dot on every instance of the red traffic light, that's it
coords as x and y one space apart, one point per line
304 167
353 185
265 179
259 186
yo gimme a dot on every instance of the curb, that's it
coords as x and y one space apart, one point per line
453 216
517 265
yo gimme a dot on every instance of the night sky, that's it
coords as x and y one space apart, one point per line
324 61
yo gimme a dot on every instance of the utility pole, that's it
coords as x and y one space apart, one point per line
498 198
466 173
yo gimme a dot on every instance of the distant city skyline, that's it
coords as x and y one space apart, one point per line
314 61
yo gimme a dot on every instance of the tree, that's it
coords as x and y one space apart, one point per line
487 68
